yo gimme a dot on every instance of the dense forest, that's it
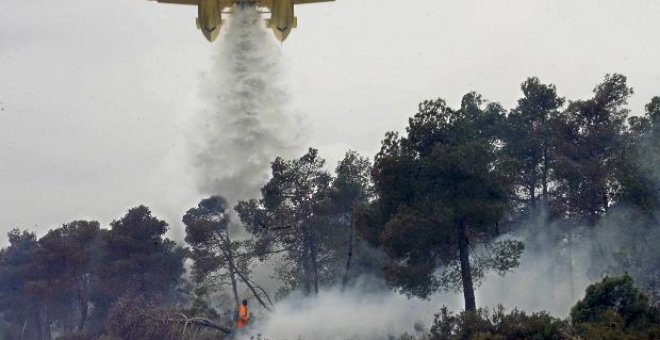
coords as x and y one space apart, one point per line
434 210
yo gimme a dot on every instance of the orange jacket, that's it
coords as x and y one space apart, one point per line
243 317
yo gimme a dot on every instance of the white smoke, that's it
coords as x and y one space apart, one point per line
244 125
556 269
553 271
362 312
542 282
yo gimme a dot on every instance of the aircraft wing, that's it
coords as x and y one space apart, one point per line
180 2
300 2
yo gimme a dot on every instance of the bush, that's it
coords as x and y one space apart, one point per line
615 309
132 318
497 324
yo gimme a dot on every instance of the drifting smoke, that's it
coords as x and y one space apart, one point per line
561 260
365 312
244 125
553 274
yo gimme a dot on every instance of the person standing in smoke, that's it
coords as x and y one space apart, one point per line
243 317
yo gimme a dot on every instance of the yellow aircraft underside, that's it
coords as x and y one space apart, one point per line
209 18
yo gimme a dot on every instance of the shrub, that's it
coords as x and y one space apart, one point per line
497 324
615 309
132 318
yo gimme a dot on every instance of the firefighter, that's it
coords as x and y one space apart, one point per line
243 316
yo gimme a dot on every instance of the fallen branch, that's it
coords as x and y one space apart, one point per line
199 322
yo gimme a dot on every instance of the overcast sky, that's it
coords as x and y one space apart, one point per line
94 94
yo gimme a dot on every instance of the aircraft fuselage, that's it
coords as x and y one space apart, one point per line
209 18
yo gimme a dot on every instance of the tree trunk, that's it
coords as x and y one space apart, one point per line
466 273
315 271
253 290
571 279
225 248
43 323
551 277
234 286
82 304
22 334
232 273
351 240
546 172
309 262
38 330
306 263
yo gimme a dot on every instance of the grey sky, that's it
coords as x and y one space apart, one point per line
95 94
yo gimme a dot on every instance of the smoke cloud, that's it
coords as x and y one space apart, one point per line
244 124
553 274
562 259
364 312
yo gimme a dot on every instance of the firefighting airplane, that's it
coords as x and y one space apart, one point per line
209 19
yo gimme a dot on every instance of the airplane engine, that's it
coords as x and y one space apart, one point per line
282 19
209 19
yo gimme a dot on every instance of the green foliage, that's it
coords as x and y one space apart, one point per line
612 309
138 259
615 303
351 189
639 174
18 301
206 221
440 189
285 219
200 306
589 143
308 215
49 279
352 182
496 325
529 136
212 250
55 280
